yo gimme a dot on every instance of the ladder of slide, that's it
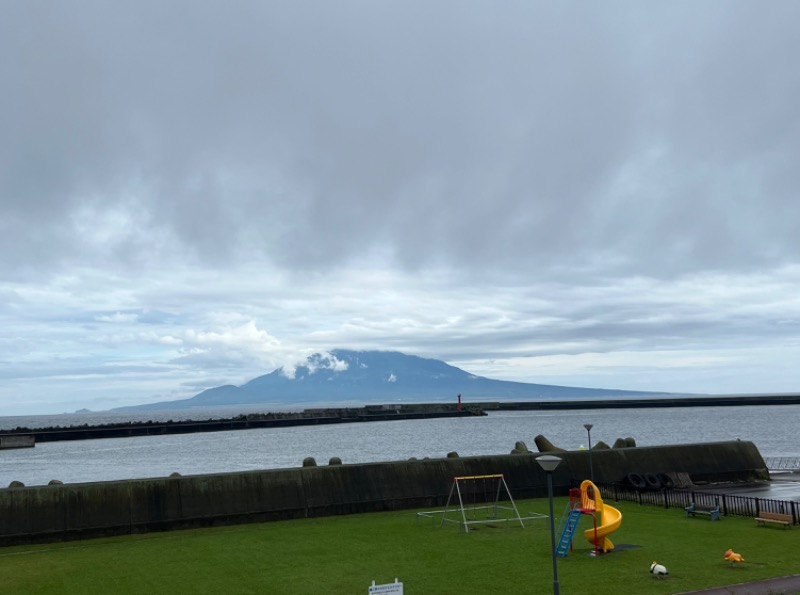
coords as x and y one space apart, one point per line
569 529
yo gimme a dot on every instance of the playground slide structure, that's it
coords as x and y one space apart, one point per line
608 518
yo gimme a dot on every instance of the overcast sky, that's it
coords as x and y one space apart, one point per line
587 193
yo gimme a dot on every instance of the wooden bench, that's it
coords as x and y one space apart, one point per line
774 517
712 512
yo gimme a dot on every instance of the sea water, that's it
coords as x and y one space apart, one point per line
772 428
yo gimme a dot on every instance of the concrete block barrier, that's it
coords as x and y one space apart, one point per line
60 512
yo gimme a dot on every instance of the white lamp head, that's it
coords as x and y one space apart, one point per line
548 462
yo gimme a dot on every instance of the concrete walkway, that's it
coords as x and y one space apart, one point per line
784 585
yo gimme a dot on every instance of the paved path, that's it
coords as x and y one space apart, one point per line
785 585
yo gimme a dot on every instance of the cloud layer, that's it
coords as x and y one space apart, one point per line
599 195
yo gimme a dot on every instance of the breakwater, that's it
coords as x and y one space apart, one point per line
391 412
19 441
73 511
307 417
655 403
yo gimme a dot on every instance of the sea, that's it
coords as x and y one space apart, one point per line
772 428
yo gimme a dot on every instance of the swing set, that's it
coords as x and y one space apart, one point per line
479 499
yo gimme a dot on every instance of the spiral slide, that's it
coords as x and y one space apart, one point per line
608 518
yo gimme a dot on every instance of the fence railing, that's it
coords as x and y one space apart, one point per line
729 504
782 463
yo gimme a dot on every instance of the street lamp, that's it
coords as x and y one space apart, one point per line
589 432
549 464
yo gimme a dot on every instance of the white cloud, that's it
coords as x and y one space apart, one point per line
117 317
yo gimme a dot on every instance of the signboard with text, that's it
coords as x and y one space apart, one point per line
395 588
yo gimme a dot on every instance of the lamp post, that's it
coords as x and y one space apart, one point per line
589 432
549 464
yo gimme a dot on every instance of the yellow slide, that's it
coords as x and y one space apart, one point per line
608 518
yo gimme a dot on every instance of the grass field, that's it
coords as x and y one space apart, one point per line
343 555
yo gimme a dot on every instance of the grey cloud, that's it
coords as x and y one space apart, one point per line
313 133
451 179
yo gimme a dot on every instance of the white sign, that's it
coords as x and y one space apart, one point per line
395 588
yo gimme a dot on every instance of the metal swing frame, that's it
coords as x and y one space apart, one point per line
494 509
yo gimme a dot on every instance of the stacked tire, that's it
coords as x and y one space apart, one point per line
650 480
637 481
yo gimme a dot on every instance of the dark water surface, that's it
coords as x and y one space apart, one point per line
772 428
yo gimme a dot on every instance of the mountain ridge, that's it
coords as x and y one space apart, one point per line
378 377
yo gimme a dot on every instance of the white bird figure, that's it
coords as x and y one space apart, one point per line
658 570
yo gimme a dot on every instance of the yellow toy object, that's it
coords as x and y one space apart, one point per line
608 518
733 557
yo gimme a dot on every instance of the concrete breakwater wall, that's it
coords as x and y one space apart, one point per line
20 441
74 511
307 417
645 403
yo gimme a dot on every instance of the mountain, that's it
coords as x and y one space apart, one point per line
379 377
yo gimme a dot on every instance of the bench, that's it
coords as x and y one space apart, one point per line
711 512
774 517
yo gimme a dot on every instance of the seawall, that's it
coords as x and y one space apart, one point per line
17 441
74 511
643 403
384 412
307 417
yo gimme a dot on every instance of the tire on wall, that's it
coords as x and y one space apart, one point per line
636 480
652 481
666 480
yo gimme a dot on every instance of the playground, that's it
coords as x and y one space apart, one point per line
344 554
486 500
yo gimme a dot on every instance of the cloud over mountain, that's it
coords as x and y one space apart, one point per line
346 376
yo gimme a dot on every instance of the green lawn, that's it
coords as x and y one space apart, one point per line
342 555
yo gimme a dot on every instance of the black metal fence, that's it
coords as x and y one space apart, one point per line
729 505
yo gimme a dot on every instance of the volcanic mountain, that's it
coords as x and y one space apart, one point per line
367 377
